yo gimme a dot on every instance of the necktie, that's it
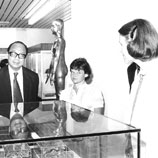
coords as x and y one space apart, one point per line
16 92
131 72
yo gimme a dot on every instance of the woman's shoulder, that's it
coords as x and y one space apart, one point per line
93 86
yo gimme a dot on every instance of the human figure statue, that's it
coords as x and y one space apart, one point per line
58 68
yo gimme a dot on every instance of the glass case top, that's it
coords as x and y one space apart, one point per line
56 119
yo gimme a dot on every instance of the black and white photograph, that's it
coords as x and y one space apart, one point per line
78 79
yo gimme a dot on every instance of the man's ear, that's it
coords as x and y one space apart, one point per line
132 34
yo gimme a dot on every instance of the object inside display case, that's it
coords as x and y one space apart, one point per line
20 150
45 149
49 149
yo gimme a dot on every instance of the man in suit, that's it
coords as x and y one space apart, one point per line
28 81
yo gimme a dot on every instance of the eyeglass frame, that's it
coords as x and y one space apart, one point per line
14 54
18 131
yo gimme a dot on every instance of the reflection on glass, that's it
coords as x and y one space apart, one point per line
18 128
79 114
60 129
59 109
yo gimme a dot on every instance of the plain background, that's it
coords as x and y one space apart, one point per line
95 36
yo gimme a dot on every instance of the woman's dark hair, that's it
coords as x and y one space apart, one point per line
142 39
82 64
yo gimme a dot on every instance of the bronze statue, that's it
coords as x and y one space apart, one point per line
58 69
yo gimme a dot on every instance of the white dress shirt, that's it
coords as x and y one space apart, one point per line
87 96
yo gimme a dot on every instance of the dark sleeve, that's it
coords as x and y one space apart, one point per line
31 84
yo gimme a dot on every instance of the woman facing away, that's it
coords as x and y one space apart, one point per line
80 92
139 42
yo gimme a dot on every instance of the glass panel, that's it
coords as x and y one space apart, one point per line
55 122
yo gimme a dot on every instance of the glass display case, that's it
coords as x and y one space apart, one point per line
55 130
38 60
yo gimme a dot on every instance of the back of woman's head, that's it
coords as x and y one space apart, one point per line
81 64
142 39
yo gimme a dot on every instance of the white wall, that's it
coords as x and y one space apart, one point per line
95 36
7 36
36 36
29 36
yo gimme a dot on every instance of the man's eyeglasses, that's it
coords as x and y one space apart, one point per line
19 130
20 56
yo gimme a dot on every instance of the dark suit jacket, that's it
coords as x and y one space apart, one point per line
30 90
